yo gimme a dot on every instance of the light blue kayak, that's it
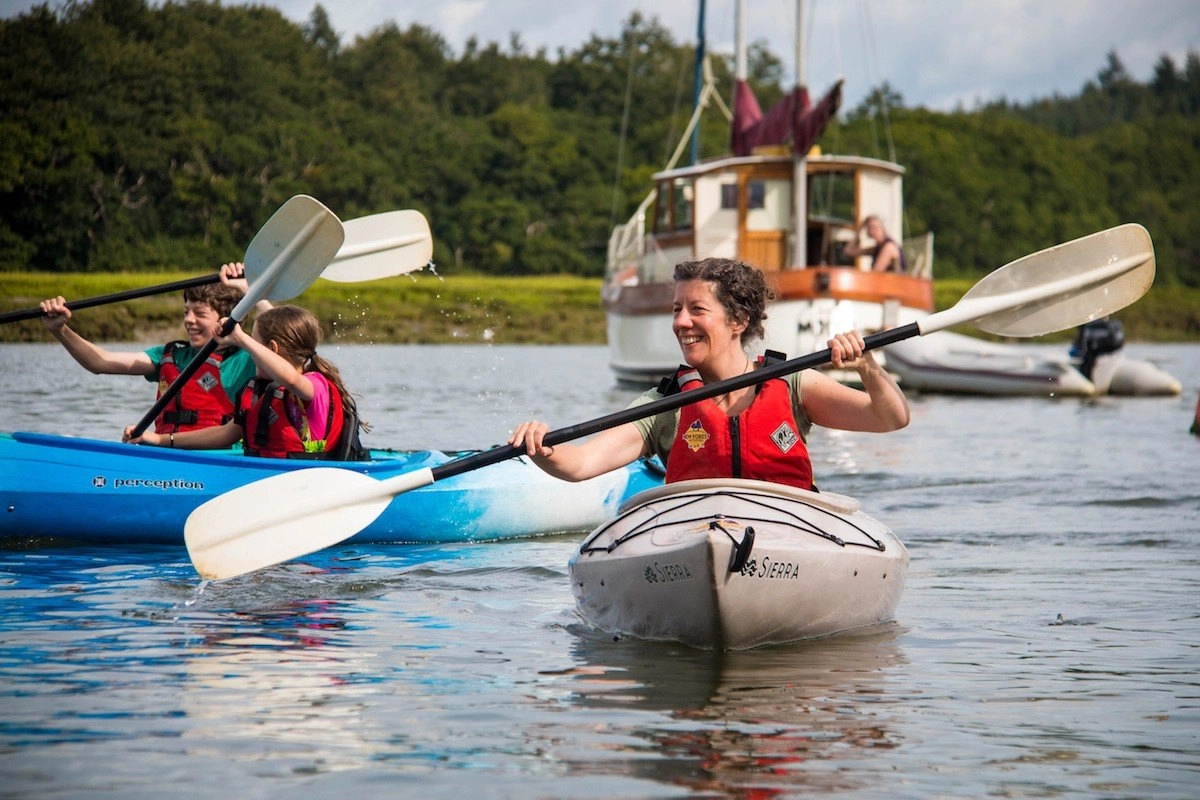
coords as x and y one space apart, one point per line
107 492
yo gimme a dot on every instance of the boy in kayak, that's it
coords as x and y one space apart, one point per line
205 400
295 407
755 432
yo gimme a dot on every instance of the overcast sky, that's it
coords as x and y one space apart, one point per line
942 54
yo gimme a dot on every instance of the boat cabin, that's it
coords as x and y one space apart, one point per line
742 208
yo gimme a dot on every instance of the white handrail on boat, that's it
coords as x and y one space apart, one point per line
918 250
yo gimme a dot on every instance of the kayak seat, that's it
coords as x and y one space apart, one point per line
349 446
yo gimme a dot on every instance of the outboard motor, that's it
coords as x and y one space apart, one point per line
1096 338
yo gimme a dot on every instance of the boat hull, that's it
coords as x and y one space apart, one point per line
106 492
1116 374
950 363
680 563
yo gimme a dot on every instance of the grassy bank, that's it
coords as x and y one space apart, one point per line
416 309
427 309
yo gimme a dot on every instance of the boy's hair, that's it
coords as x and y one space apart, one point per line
220 297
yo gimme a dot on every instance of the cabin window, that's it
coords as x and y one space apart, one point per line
768 205
662 209
684 195
756 195
729 197
831 197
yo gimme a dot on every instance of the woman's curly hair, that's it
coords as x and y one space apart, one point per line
740 288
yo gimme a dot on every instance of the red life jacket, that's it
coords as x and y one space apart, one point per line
761 443
268 431
201 403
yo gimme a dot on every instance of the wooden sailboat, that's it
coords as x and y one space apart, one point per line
775 202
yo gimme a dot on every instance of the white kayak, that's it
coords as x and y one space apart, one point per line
732 564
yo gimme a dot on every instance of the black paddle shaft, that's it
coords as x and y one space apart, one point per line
669 403
185 375
115 297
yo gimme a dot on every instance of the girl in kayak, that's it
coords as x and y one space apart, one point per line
296 407
208 398
755 432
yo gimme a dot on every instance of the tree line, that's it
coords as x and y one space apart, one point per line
146 136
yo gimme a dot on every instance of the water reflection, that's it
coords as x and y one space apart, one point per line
281 680
770 720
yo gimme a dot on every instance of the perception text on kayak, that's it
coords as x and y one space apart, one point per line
156 483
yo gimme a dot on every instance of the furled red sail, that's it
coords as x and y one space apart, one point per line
793 118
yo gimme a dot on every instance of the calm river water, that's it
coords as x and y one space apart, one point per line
1048 642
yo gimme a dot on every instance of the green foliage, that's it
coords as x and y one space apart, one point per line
991 186
144 135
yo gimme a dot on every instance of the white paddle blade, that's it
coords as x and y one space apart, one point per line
292 249
1062 286
381 246
287 516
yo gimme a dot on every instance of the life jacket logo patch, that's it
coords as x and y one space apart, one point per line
207 382
695 436
784 437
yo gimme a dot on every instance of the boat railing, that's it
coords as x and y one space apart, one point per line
918 251
626 246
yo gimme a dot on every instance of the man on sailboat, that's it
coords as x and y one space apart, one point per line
886 255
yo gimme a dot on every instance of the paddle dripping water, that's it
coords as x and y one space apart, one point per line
191 601
462 670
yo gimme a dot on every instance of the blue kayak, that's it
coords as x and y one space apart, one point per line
87 490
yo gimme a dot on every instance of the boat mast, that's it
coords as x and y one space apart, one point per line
698 81
799 164
739 40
